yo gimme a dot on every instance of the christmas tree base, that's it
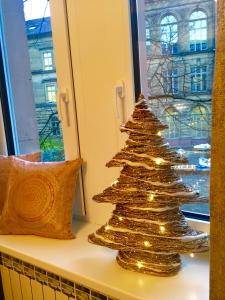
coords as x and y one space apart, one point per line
159 264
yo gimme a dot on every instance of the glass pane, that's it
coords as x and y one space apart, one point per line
44 80
183 82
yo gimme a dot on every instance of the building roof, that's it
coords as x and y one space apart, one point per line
37 27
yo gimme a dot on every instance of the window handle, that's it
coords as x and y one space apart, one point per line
120 97
63 105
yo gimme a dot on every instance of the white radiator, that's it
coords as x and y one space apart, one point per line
23 281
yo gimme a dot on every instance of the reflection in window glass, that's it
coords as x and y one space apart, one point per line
41 52
180 74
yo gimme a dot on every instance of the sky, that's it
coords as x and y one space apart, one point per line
34 9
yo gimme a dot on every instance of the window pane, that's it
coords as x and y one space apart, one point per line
183 82
41 52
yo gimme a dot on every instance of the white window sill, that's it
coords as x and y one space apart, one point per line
96 268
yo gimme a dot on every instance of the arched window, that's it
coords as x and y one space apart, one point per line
200 122
198 31
169 35
172 119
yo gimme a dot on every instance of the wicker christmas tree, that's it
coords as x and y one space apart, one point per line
147 226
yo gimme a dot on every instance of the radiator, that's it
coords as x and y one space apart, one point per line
23 281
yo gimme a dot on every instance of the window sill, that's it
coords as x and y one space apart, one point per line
96 268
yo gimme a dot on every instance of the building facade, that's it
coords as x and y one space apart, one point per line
180 42
39 35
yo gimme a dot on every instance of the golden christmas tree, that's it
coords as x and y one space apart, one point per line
148 227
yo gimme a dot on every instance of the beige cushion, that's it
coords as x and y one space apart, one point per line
40 198
5 163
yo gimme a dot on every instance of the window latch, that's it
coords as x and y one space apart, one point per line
120 97
63 106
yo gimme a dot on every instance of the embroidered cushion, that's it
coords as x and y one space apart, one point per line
40 198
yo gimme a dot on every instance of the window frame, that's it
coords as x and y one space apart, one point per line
169 47
201 74
171 116
197 45
171 77
47 85
48 67
137 49
199 122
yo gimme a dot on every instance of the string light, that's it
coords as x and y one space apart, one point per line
151 197
120 218
140 264
158 161
114 182
192 255
159 133
162 228
107 227
147 244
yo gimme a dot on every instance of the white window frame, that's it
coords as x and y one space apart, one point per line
89 81
48 60
171 81
199 79
198 44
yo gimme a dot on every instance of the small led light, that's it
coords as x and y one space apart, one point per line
115 182
162 228
159 133
192 255
107 227
151 197
140 264
158 161
120 218
147 244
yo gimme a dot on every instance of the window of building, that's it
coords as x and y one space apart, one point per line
171 82
200 122
198 79
172 119
51 91
198 31
48 60
169 35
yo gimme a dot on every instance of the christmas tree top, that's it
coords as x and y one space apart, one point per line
147 225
